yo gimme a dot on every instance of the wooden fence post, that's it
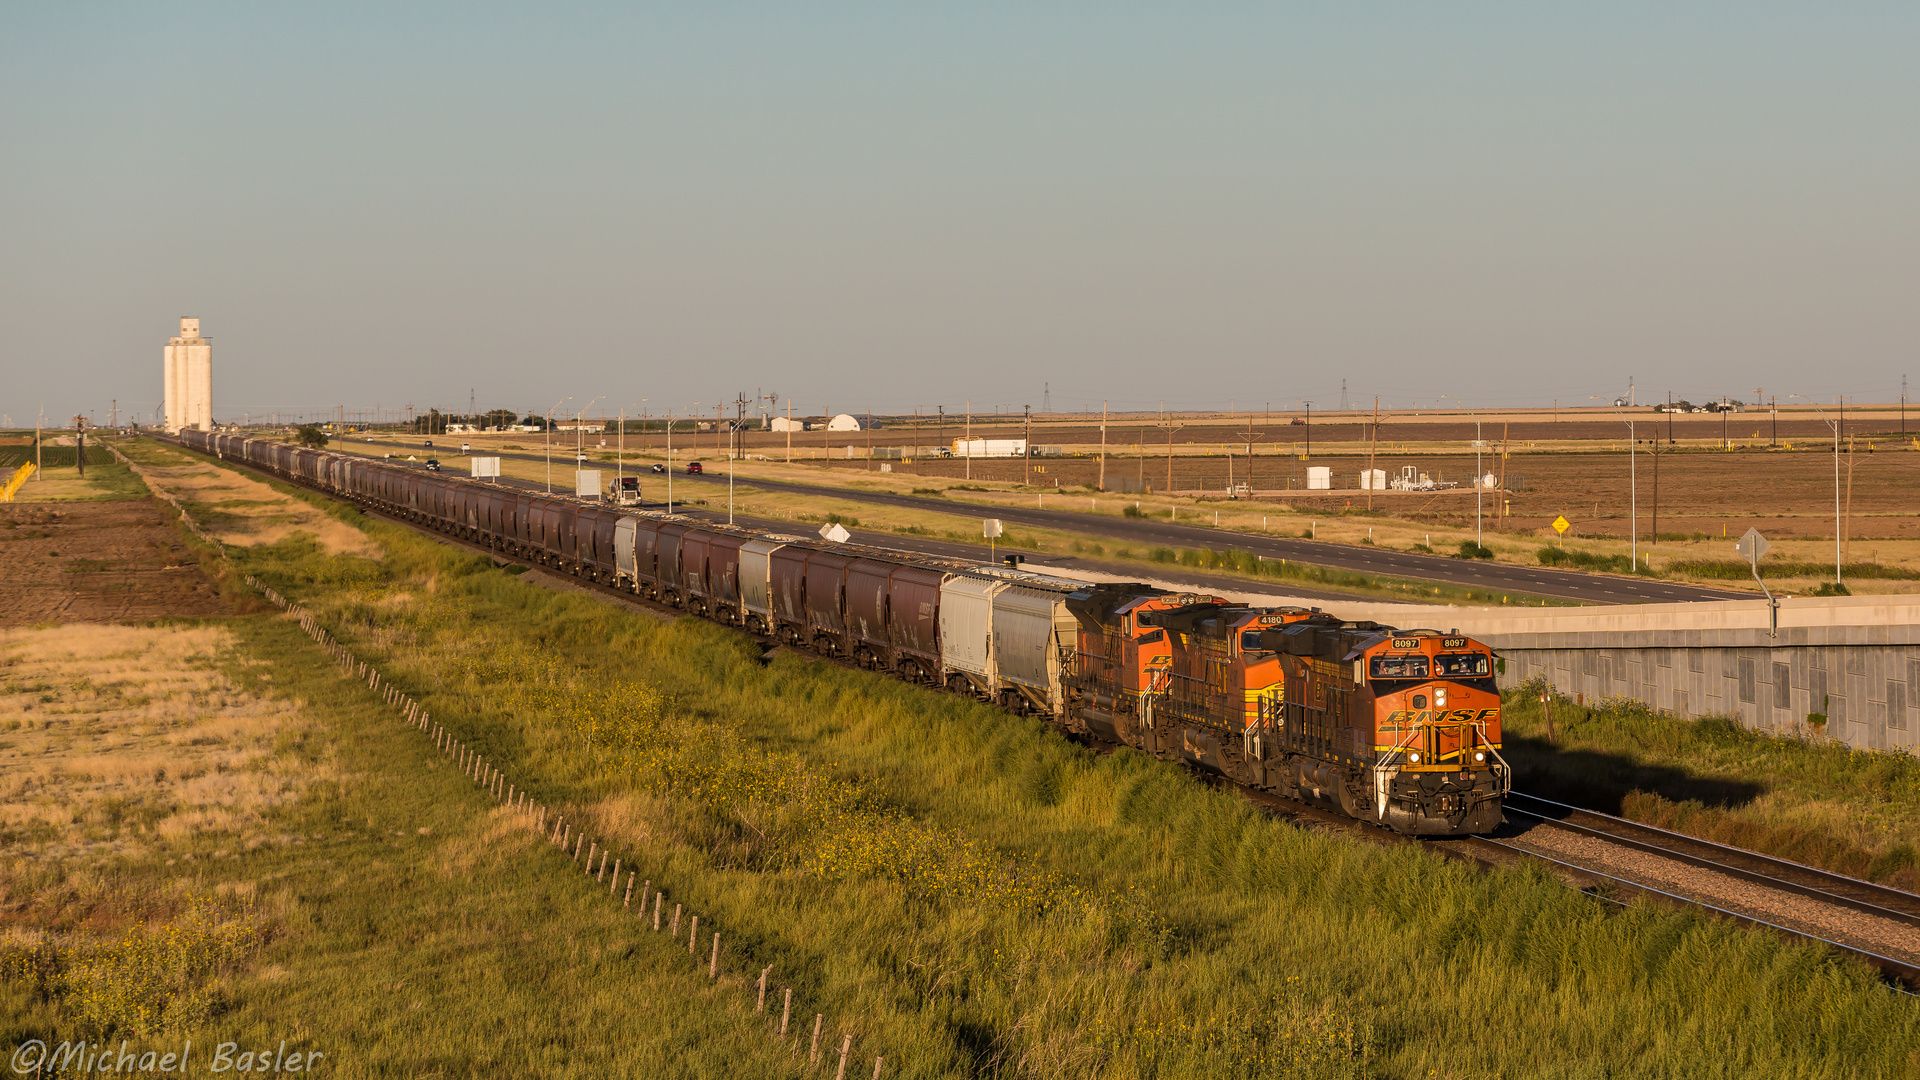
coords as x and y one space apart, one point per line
813 1055
877 1062
628 902
845 1045
761 1004
713 962
656 911
786 1010
615 887
693 935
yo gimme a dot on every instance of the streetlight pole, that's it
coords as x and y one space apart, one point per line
579 444
1633 490
1835 425
547 424
1478 485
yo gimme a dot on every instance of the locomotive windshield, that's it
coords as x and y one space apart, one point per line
1462 665
1412 666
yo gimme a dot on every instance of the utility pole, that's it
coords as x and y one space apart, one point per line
740 408
969 439
1026 442
114 424
1773 439
1103 447
80 444
669 459
1372 446
1633 494
789 431
1308 456
1249 434
38 422
1169 423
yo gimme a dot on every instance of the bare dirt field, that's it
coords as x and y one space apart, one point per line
96 561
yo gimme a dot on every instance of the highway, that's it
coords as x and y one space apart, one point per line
1495 577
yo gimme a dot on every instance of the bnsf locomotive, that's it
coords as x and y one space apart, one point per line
1396 727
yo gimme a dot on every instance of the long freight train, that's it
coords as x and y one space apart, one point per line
1395 727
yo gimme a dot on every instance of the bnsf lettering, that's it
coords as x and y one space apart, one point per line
1455 716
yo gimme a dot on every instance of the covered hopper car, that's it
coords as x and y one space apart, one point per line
1396 727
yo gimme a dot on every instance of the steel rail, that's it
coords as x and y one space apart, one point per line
1767 870
1904 976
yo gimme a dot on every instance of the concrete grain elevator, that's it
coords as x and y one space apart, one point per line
189 375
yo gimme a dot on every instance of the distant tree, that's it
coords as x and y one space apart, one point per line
311 435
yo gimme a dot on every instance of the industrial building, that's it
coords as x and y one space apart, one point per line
188 360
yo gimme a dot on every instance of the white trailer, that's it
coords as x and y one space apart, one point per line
989 448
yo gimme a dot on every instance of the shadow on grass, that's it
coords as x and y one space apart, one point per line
1602 781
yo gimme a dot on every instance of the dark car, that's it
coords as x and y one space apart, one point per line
659 468
433 464
695 467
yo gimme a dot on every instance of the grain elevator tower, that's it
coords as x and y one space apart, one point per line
189 374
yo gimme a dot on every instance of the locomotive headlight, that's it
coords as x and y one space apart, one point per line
1413 759
1479 755
1440 698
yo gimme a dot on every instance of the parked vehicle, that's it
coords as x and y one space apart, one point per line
695 467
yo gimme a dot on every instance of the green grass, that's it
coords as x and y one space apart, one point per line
107 479
965 890
1808 798
54 457
1741 570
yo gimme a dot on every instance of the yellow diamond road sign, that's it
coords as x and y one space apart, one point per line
1561 525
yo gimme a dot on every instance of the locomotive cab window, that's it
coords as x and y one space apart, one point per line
1250 641
1398 667
1463 666
1150 638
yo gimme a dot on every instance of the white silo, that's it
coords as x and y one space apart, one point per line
189 379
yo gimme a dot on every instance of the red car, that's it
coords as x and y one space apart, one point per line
695 467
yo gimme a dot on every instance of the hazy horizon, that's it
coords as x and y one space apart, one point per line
864 208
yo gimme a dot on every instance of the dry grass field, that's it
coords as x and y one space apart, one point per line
241 510
122 740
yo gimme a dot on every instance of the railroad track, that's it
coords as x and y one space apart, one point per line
1877 924
1860 899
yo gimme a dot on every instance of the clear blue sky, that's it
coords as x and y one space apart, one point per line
877 207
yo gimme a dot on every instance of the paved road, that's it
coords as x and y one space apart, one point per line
1440 569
